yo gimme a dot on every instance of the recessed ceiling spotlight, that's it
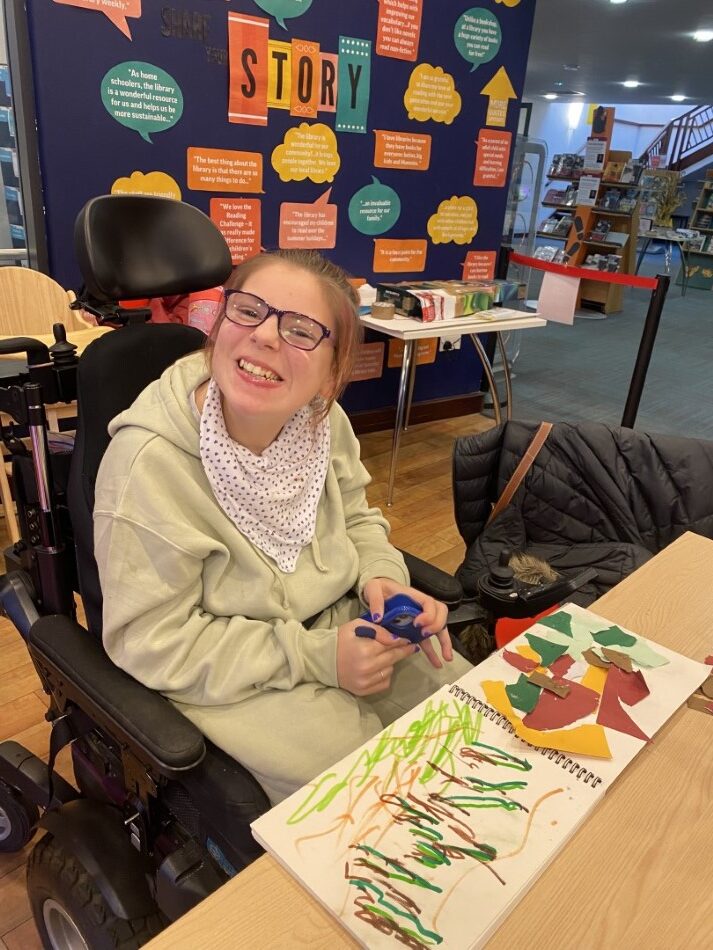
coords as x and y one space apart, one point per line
550 95
571 67
703 36
617 1
678 98
559 84
631 83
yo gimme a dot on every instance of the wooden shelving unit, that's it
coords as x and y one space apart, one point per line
700 260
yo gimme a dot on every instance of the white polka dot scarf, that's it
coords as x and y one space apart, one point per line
270 498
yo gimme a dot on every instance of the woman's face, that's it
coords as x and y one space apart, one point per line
295 376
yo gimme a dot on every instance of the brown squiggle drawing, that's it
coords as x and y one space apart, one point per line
447 896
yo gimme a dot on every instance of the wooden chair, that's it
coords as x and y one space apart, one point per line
30 303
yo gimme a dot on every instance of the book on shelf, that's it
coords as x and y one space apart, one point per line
600 232
613 171
588 190
620 238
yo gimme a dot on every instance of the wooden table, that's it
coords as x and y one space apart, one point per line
410 331
638 872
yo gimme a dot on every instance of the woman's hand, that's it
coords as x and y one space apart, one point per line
365 662
432 621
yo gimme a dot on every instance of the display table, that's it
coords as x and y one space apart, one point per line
635 875
672 239
411 331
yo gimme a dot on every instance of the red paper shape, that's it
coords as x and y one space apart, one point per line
553 712
627 688
519 662
561 665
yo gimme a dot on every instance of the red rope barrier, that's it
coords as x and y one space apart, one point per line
584 273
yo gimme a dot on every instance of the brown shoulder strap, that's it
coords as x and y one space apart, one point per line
524 466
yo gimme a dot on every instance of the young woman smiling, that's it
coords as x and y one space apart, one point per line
235 545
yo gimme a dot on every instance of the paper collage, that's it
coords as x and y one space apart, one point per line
617 688
428 835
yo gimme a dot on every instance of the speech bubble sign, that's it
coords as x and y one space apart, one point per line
508 3
455 221
402 150
239 220
284 9
479 265
142 97
431 94
393 256
308 151
223 169
156 184
308 225
375 208
477 36
114 10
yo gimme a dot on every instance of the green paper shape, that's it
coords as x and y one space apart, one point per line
549 652
523 695
284 9
375 208
477 36
143 97
560 621
614 637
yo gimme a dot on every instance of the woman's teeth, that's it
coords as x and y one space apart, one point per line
257 370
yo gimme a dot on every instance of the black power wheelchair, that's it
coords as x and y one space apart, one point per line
158 817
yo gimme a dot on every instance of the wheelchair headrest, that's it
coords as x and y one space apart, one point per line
133 246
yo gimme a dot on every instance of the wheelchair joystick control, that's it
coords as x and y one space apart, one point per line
62 351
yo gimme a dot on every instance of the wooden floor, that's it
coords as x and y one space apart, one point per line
422 522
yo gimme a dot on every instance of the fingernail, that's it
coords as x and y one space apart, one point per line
367 632
376 617
416 649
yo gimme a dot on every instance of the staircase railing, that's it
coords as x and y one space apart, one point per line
684 141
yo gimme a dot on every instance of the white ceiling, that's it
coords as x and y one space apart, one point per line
648 40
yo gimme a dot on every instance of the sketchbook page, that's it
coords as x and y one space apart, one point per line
428 834
621 688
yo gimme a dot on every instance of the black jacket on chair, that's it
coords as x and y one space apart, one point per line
596 496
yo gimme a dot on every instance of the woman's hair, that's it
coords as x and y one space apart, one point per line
341 297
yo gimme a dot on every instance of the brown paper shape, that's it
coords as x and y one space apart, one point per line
618 659
539 679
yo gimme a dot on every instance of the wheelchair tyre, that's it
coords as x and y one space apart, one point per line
18 819
69 909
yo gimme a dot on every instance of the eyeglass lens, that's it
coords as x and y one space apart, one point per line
295 328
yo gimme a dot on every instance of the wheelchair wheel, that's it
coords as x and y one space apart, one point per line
69 910
18 820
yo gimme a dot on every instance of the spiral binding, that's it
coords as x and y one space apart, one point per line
575 768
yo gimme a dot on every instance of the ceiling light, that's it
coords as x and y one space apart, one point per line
678 98
703 36
550 95
570 66
631 83
617 1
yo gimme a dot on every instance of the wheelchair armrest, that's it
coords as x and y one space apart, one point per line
433 581
17 601
135 715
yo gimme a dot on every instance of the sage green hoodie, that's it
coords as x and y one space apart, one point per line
191 607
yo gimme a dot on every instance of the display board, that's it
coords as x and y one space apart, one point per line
379 131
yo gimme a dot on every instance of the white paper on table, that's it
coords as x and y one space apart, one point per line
558 298
390 836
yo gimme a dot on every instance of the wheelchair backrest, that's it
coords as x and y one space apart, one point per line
112 372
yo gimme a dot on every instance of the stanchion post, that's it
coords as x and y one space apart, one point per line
502 264
646 347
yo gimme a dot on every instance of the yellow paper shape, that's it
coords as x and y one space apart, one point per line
529 654
595 678
588 739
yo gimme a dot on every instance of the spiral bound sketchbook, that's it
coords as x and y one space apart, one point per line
430 833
